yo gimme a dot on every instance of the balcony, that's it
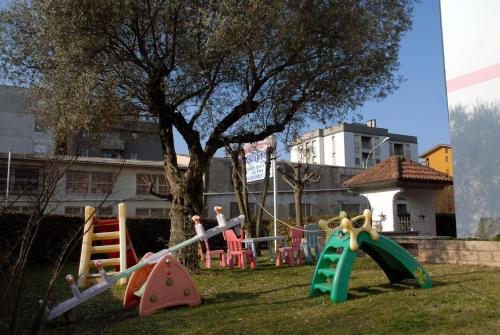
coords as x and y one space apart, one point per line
112 143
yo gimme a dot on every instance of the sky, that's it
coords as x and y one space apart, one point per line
418 108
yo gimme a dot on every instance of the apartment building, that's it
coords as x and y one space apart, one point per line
353 145
21 133
440 158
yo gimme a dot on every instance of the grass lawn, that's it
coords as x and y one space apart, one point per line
271 300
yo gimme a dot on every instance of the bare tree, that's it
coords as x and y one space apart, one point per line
219 73
297 180
43 199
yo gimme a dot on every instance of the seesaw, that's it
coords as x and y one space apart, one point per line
157 281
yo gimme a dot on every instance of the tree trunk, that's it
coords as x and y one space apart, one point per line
259 209
246 210
238 177
298 205
187 200
186 189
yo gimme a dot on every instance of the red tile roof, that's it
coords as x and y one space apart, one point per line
399 170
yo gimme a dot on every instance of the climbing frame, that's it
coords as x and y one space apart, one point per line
108 238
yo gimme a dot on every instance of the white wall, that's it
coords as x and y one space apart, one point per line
347 150
421 202
472 67
382 202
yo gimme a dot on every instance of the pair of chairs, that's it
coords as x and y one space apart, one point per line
236 254
304 241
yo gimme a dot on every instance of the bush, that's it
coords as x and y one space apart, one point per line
148 234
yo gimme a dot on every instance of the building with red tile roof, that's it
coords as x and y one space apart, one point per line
401 193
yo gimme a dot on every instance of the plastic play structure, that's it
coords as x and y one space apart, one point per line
208 255
115 242
157 281
334 266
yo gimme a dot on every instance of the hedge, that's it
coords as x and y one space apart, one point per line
148 234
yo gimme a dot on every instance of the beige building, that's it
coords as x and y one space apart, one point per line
85 181
92 181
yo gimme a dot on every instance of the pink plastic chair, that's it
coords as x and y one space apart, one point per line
235 249
220 254
209 255
295 249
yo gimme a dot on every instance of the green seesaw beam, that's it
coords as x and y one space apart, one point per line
333 269
108 282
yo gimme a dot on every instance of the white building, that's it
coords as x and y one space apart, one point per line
470 30
18 130
352 145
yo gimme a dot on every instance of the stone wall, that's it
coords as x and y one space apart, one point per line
436 250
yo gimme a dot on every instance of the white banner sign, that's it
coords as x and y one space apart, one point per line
256 159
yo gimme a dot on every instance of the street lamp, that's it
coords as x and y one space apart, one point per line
368 157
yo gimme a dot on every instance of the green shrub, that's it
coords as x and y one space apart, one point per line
148 234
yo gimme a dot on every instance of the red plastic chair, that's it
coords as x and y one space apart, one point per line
297 234
209 255
235 249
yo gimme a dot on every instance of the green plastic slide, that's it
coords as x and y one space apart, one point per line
334 266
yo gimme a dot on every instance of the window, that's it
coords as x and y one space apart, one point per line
427 161
151 212
159 183
352 209
313 152
366 143
234 210
3 177
446 159
102 182
105 211
133 155
398 149
357 162
306 209
25 180
334 150
77 181
74 211
20 209
142 212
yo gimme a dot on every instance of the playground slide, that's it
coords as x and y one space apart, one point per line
334 266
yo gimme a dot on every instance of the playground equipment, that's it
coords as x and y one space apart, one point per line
295 249
334 267
164 284
207 256
236 251
114 241
324 225
155 275
311 234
